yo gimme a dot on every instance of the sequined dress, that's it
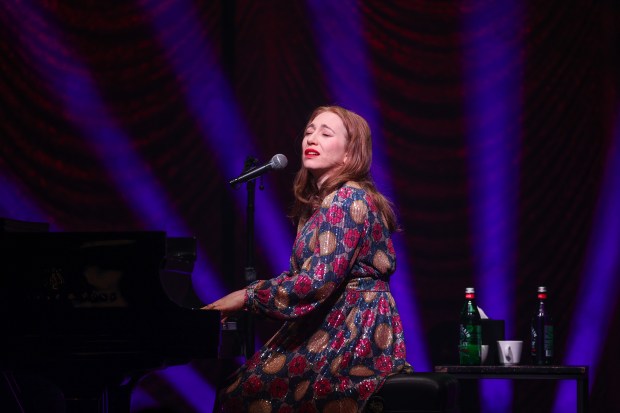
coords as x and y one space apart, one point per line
343 334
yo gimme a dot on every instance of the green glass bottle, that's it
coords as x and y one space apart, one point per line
470 329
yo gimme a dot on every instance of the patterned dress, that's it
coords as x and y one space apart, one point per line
343 334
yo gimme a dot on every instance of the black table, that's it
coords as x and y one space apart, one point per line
518 372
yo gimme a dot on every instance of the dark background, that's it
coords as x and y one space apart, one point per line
133 115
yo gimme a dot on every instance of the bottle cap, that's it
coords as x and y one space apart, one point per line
542 292
470 290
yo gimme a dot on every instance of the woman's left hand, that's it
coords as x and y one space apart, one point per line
229 304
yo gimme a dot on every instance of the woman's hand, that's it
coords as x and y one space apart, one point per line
229 304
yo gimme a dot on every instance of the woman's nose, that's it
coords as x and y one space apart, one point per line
311 139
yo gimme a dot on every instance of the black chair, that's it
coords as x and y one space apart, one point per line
416 393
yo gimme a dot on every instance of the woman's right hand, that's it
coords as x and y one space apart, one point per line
228 304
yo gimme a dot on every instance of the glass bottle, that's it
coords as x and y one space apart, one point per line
542 331
470 330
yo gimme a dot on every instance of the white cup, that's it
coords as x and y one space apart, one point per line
509 351
484 352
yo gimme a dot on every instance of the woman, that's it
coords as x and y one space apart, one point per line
343 333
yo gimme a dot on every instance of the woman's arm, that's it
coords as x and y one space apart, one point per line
343 223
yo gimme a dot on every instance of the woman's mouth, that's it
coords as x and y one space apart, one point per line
311 153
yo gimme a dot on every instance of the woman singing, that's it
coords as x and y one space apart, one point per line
343 335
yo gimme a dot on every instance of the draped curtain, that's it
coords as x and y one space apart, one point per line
102 119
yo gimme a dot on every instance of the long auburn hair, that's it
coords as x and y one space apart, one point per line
308 196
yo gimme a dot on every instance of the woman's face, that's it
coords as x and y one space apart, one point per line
324 148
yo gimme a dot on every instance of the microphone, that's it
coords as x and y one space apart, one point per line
278 161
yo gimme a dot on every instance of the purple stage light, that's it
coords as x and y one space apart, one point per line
600 285
493 79
141 400
338 30
212 101
15 203
193 388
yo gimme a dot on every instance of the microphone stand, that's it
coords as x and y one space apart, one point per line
247 343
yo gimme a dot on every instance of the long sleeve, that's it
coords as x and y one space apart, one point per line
325 249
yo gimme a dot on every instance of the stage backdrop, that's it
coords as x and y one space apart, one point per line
496 127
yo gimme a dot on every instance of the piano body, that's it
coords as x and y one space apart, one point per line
90 310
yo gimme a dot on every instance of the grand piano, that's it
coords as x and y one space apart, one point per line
91 312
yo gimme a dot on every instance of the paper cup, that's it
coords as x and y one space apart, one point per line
484 352
509 351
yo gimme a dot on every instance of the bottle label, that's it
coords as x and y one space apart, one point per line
542 342
470 344
548 341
